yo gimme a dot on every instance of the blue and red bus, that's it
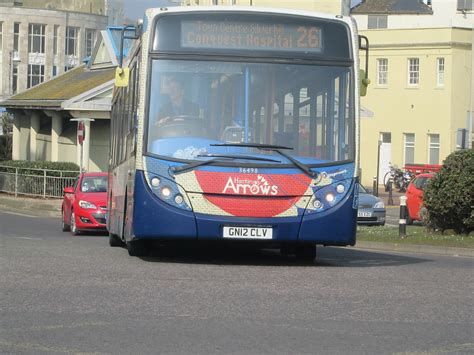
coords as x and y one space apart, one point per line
237 125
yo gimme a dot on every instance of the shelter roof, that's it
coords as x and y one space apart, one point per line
392 7
63 87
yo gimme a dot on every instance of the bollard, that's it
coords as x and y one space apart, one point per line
390 192
375 190
402 226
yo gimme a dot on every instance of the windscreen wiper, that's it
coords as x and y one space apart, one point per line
274 148
217 158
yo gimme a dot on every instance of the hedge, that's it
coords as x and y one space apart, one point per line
65 169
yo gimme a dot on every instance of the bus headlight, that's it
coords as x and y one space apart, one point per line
168 191
155 182
328 196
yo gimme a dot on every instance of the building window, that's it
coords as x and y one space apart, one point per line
433 149
440 71
16 36
1 36
214 2
72 34
382 71
55 39
55 71
386 137
465 5
409 148
15 77
36 38
413 71
90 39
377 21
35 74
67 68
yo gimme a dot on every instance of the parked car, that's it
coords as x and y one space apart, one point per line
84 206
371 209
414 196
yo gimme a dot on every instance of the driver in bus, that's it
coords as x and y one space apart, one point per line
178 105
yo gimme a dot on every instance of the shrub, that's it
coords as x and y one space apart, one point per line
28 167
449 197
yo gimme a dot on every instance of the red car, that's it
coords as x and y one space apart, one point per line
414 196
84 205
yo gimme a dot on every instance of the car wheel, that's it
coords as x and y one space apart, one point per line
305 252
65 226
74 230
137 248
115 241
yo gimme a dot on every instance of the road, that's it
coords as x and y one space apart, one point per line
65 294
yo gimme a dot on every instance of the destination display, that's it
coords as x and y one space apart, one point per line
210 34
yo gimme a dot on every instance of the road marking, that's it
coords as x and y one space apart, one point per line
20 214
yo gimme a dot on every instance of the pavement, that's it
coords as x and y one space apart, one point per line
40 207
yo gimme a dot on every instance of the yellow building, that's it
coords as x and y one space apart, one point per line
421 91
340 7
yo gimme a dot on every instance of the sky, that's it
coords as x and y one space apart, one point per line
134 9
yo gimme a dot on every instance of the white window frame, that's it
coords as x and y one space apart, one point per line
382 71
464 5
16 36
55 39
89 42
36 32
440 71
74 38
413 72
433 146
409 145
377 21
1 36
31 75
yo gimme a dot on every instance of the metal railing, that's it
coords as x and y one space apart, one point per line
35 182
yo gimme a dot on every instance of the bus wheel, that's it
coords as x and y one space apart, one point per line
115 241
137 248
305 252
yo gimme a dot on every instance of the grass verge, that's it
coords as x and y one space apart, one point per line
415 235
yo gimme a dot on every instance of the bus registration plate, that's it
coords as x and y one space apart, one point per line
236 232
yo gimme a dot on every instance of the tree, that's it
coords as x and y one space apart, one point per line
449 197
6 125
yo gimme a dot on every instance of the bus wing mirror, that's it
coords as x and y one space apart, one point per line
364 82
122 76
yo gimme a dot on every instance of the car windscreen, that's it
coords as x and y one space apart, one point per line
94 184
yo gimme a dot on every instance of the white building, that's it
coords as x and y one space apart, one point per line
43 38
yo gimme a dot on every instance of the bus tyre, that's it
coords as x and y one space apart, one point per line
306 252
115 241
137 248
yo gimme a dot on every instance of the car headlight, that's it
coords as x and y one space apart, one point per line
379 204
87 205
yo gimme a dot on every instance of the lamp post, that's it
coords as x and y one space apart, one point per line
376 191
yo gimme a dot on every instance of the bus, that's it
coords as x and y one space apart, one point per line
236 125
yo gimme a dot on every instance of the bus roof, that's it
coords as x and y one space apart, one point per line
152 12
